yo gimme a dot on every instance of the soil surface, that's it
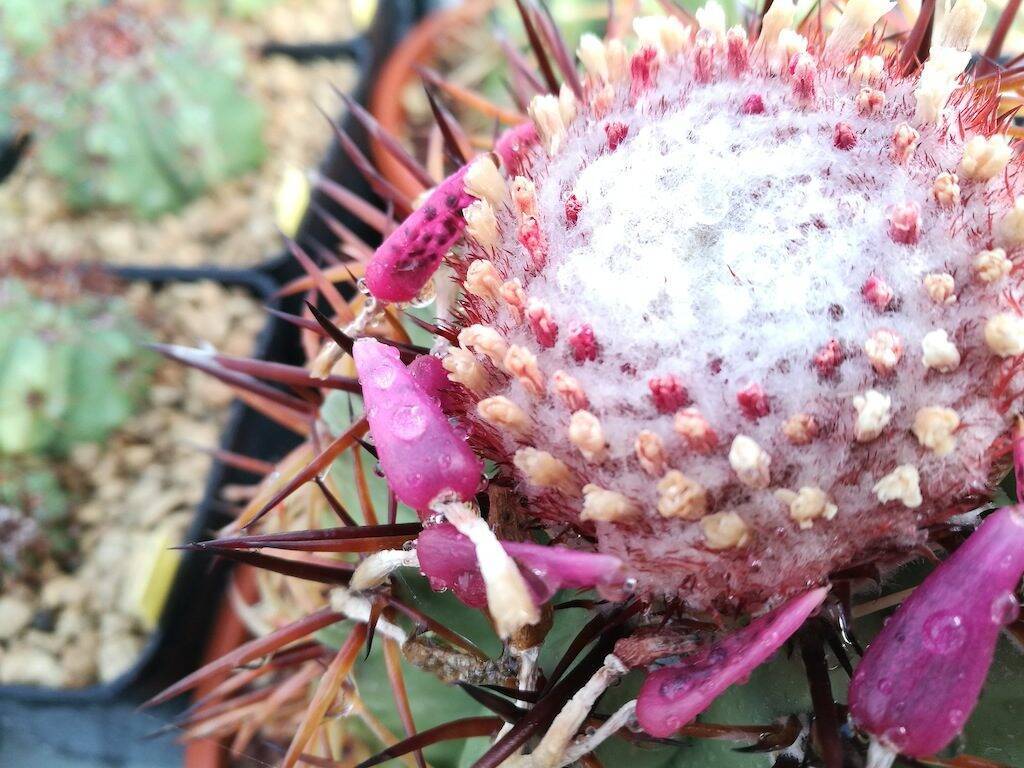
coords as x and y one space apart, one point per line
138 491
233 224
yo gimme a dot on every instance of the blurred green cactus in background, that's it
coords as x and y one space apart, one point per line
70 370
137 109
33 515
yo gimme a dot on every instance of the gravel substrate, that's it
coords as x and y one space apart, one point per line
232 224
71 629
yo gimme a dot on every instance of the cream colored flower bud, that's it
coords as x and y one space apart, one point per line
586 434
606 506
874 411
481 224
985 157
593 56
946 190
940 287
524 195
679 496
464 369
483 280
724 530
992 266
869 69
750 462
1011 229
568 391
961 23
800 429
546 113
884 349
483 180
938 352
544 470
711 17
484 340
503 413
903 484
807 505
650 451
934 428
859 16
1004 334
522 363
778 17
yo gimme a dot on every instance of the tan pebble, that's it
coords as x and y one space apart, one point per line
66 590
15 615
116 655
30 666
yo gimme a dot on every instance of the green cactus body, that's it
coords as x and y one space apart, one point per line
69 372
33 515
142 112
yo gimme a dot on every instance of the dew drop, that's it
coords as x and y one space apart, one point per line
944 632
426 296
885 686
408 422
1005 609
957 717
383 376
378 470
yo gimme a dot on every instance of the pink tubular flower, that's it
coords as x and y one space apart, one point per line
449 560
420 452
411 254
673 696
921 676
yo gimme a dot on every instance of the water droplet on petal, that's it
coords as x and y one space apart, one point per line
1005 609
885 686
957 717
382 376
408 422
944 632
426 296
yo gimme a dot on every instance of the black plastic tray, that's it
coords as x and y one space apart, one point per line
173 647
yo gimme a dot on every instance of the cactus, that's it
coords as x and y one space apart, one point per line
138 110
71 369
33 516
26 26
733 320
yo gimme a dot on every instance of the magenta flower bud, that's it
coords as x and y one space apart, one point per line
449 560
429 375
672 697
410 255
421 454
514 144
921 676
